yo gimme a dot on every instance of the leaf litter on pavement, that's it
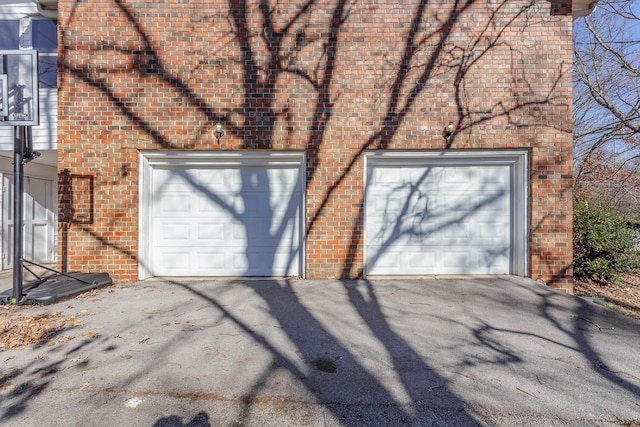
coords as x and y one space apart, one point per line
20 329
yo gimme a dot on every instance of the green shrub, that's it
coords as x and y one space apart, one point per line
604 246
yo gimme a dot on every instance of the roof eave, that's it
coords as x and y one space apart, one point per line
582 8
47 8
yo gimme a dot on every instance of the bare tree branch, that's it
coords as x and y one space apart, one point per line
606 105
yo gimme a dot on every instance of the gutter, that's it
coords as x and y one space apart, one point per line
47 8
582 8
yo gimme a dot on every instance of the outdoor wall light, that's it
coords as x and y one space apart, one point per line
448 130
219 131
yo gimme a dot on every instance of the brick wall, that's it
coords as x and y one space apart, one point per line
333 78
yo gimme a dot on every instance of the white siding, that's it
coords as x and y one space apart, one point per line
44 135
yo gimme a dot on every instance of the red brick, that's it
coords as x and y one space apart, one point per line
142 75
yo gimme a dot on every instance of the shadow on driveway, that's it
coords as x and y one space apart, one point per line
492 350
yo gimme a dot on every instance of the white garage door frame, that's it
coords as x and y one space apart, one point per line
516 160
208 159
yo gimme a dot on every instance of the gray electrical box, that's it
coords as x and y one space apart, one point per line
19 88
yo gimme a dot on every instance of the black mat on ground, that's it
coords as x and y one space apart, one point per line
57 287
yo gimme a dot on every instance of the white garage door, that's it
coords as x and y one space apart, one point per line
227 215
455 213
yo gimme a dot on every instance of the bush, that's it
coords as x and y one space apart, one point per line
604 246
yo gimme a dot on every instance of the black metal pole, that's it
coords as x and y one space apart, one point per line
18 185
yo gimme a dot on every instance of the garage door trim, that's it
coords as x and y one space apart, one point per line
517 160
206 159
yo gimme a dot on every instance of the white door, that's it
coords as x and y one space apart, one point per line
443 216
38 221
225 220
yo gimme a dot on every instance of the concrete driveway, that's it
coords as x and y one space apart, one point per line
491 351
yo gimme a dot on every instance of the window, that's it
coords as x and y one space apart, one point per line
48 67
44 38
38 34
9 35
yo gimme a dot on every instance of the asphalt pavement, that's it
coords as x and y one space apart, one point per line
501 351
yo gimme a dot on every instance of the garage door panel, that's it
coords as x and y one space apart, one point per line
240 263
239 233
492 231
422 260
438 219
226 221
385 177
453 260
286 259
211 233
172 204
382 203
388 259
457 232
207 206
209 262
170 181
254 231
216 179
458 176
174 232
175 260
444 260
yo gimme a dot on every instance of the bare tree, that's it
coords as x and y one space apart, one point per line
607 103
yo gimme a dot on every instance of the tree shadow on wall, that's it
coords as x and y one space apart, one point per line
267 53
422 223
274 46
242 221
76 204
